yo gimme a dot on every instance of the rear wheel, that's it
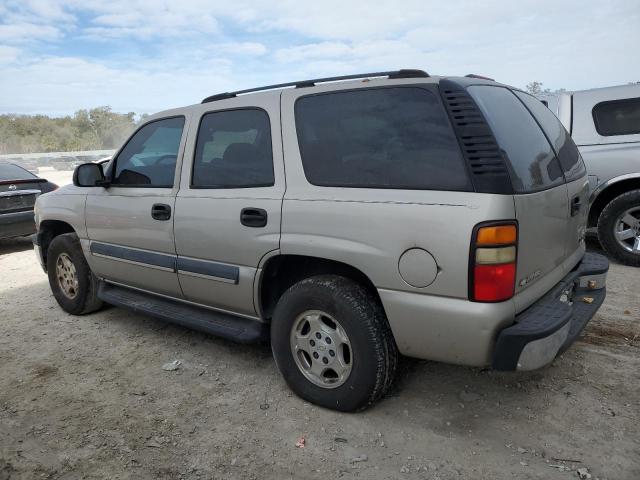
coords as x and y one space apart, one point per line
72 283
619 228
332 343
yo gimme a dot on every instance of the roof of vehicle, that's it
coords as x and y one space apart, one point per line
632 89
375 78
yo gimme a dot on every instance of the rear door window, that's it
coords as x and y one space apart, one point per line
397 137
532 162
617 117
566 150
233 150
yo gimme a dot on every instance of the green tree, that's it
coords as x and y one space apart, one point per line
95 129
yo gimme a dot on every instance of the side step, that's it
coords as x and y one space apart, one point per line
238 329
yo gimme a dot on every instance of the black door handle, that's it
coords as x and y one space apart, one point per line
576 204
161 211
253 217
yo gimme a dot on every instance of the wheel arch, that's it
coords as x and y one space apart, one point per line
48 230
608 191
282 271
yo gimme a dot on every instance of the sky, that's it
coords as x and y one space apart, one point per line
142 56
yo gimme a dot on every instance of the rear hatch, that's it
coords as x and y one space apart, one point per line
18 189
549 183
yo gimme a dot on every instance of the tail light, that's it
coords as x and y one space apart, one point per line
48 187
492 265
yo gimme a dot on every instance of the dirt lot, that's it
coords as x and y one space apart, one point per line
88 398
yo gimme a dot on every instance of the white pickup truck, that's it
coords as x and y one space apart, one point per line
605 124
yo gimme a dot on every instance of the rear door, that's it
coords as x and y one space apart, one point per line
230 200
541 196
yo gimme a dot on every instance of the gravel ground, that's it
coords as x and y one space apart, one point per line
86 397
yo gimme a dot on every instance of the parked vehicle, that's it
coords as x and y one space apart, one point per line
19 189
605 124
65 163
439 217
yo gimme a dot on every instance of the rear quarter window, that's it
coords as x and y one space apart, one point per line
617 117
532 163
566 150
393 137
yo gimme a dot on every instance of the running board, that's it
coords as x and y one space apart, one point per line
232 327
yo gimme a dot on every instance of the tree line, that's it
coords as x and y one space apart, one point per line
94 129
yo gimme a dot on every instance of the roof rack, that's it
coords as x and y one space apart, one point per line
404 73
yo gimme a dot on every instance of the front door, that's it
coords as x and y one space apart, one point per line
228 207
130 223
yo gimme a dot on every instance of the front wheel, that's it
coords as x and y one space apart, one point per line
619 228
332 343
72 283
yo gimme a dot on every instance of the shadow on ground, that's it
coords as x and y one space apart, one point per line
12 245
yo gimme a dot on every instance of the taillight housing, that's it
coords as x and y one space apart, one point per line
492 261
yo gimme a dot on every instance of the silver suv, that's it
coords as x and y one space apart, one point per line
348 219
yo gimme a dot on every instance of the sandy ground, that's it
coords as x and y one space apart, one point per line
86 397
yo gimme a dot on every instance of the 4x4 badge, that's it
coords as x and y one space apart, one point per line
12 187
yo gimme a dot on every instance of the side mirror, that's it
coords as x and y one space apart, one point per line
89 175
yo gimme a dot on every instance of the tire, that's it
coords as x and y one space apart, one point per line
84 300
371 349
608 224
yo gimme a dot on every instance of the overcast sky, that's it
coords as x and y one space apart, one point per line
58 56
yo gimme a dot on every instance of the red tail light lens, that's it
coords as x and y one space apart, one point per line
493 283
492 268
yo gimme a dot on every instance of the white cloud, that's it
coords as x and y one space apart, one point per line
152 54
27 32
61 85
239 48
147 18
8 54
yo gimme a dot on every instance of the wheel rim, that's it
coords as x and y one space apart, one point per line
67 276
321 349
627 230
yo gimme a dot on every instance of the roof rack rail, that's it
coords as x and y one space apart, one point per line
403 73
481 77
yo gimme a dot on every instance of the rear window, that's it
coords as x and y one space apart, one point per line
532 162
397 137
565 148
9 171
617 117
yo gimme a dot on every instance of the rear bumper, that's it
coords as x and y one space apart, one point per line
17 224
553 323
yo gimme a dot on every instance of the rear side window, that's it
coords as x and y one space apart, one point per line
532 162
149 157
9 171
617 117
233 150
379 138
566 150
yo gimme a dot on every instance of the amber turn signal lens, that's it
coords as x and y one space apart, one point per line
498 235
